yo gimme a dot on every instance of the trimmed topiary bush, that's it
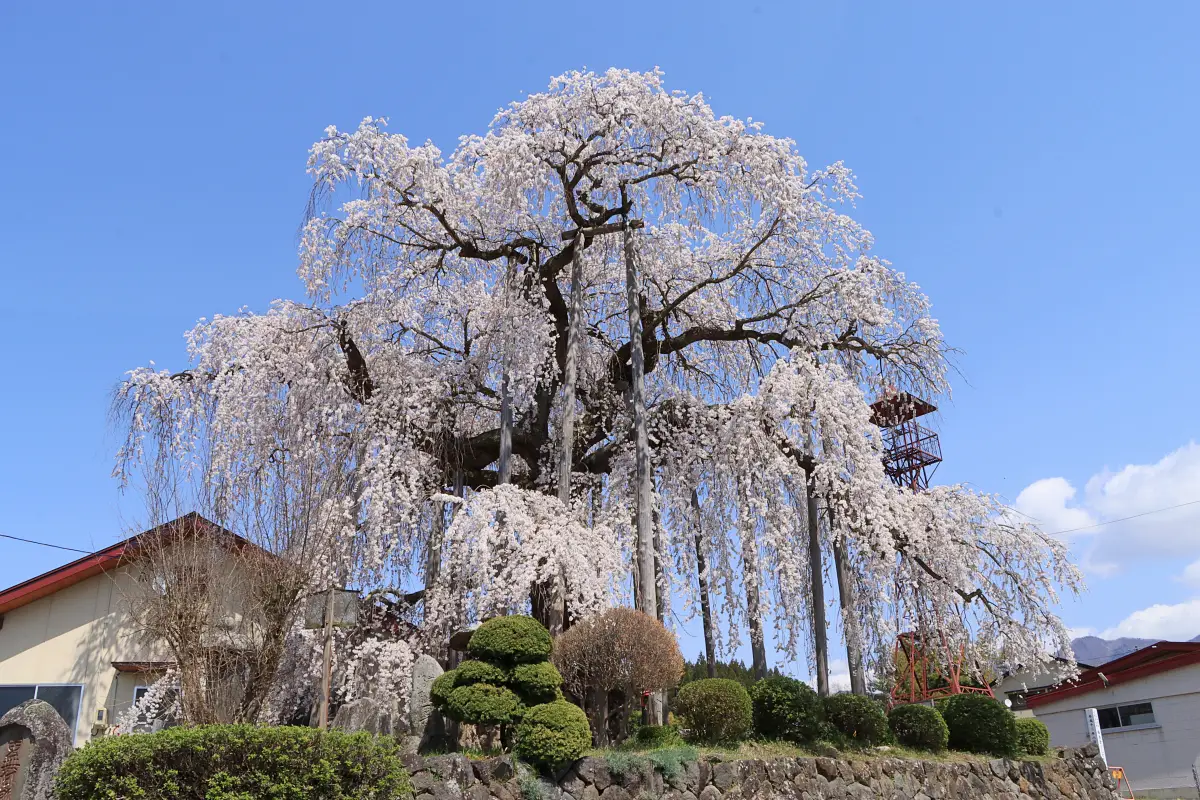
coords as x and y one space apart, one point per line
785 708
860 719
920 727
471 671
233 762
715 710
510 640
442 686
536 683
979 724
1033 737
506 677
552 733
484 704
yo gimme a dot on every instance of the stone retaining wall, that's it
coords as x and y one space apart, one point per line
1075 774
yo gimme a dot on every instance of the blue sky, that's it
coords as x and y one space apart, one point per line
1032 166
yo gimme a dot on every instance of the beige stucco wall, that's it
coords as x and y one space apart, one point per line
73 636
1158 757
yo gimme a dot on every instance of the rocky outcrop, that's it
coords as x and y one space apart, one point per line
1073 775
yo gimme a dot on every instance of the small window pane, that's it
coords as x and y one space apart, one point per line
1137 714
65 700
13 696
1109 718
139 691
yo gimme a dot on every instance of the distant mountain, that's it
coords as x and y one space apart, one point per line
1096 651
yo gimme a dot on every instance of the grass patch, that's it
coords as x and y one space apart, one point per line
527 781
669 761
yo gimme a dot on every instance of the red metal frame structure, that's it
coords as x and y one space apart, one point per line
911 451
913 686
911 454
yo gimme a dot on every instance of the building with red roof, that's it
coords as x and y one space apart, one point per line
1148 705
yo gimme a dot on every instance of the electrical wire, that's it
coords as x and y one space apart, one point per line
1123 519
46 544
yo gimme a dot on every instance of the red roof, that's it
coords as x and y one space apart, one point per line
98 562
1151 660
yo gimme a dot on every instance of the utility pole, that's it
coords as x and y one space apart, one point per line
327 667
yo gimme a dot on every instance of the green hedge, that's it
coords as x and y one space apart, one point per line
510 640
715 710
235 762
785 708
552 734
1033 737
919 726
860 719
979 724
657 736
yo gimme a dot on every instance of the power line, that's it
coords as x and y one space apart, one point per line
47 544
1123 519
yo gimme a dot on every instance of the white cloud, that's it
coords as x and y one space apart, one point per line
1131 491
1076 633
1179 622
839 676
1046 501
1191 574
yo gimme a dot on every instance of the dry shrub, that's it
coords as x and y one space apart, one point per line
621 650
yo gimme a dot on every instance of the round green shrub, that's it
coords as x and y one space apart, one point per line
1033 737
224 762
919 726
552 733
979 724
715 710
785 708
536 682
442 686
471 671
484 704
858 718
510 640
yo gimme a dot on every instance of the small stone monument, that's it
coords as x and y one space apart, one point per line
424 723
34 741
371 715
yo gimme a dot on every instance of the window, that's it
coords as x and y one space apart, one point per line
64 697
1127 716
138 692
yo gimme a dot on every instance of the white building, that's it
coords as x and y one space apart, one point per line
69 637
1148 703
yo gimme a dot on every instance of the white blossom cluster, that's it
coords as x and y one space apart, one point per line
437 289
159 701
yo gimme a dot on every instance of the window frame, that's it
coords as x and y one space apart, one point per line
1140 726
36 686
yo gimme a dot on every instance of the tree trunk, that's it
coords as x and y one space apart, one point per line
556 612
820 638
647 594
858 681
710 647
598 705
758 648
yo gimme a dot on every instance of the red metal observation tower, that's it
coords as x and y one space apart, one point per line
911 451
